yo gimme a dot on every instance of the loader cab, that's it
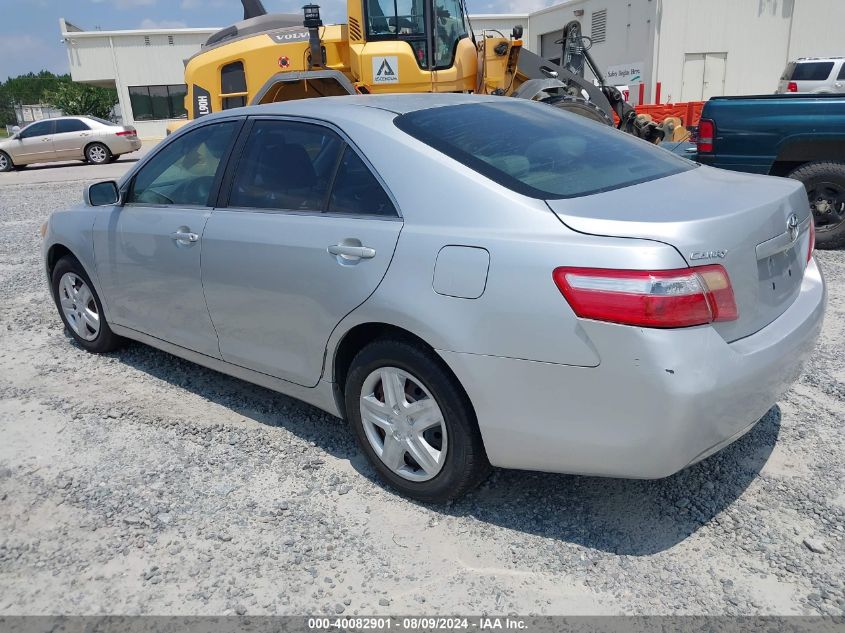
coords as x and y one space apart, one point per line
432 28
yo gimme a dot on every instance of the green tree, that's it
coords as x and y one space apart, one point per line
76 98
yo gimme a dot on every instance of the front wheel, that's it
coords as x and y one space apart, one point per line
414 421
80 308
98 154
825 184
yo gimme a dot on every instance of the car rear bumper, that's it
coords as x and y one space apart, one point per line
124 145
659 401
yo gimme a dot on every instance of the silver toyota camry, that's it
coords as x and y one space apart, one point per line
469 281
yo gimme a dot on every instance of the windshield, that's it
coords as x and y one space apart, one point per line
538 150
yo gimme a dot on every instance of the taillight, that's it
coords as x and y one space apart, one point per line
812 244
126 133
649 298
706 133
792 87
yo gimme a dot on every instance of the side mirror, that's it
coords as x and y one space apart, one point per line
102 194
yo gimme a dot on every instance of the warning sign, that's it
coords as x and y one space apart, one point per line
386 70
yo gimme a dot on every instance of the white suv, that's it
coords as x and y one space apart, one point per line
814 74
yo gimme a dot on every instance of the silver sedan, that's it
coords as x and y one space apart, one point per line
87 138
469 281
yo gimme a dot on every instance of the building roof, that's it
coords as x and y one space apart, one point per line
70 30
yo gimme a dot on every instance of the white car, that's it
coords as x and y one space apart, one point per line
818 75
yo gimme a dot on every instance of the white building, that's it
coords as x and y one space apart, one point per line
694 49
145 66
687 50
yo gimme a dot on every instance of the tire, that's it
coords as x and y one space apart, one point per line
6 162
98 154
825 184
115 158
67 276
450 427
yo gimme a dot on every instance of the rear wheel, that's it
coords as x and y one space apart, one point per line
114 158
80 308
97 154
414 422
5 162
825 184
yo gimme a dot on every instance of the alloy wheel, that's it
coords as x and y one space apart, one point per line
97 154
79 306
403 424
4 162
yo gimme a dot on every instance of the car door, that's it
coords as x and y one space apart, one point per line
70 138
34 143
306 236
148 250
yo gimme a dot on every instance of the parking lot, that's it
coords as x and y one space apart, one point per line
136 482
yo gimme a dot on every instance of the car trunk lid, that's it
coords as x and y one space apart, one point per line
713 216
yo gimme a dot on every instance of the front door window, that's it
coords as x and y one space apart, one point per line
183 172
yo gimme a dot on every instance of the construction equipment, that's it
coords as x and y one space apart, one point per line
394 46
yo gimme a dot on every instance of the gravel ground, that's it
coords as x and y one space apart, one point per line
139 483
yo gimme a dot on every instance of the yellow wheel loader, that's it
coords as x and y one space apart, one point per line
393 46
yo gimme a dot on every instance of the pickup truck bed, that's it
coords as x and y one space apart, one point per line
800 136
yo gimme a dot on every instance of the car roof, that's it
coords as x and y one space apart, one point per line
347 105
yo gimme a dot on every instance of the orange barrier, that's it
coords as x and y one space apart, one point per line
689 112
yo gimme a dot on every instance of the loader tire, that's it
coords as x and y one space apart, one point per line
580 106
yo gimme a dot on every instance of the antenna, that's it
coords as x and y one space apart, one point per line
253 9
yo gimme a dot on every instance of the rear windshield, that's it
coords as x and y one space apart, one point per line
538 150
810 71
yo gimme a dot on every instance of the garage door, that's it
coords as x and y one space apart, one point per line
704 76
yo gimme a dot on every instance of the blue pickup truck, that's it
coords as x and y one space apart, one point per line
799 136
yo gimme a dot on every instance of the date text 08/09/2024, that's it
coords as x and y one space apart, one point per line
483 623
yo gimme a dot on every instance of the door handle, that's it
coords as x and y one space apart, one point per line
352 252
46 140
184 236
85 134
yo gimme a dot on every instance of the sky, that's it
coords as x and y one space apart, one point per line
30 38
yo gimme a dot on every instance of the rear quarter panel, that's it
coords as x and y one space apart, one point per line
521 313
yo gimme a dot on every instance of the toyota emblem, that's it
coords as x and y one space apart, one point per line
792 226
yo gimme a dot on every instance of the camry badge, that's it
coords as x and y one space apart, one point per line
698 255
792 226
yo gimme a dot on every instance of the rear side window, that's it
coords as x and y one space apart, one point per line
286 165
841 72
356 190
70 125
538 150
811 71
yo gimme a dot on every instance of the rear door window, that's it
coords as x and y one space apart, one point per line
841 75
811 71
538 150
356 191
286 165
70 125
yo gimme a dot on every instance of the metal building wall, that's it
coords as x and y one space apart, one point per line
757 38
